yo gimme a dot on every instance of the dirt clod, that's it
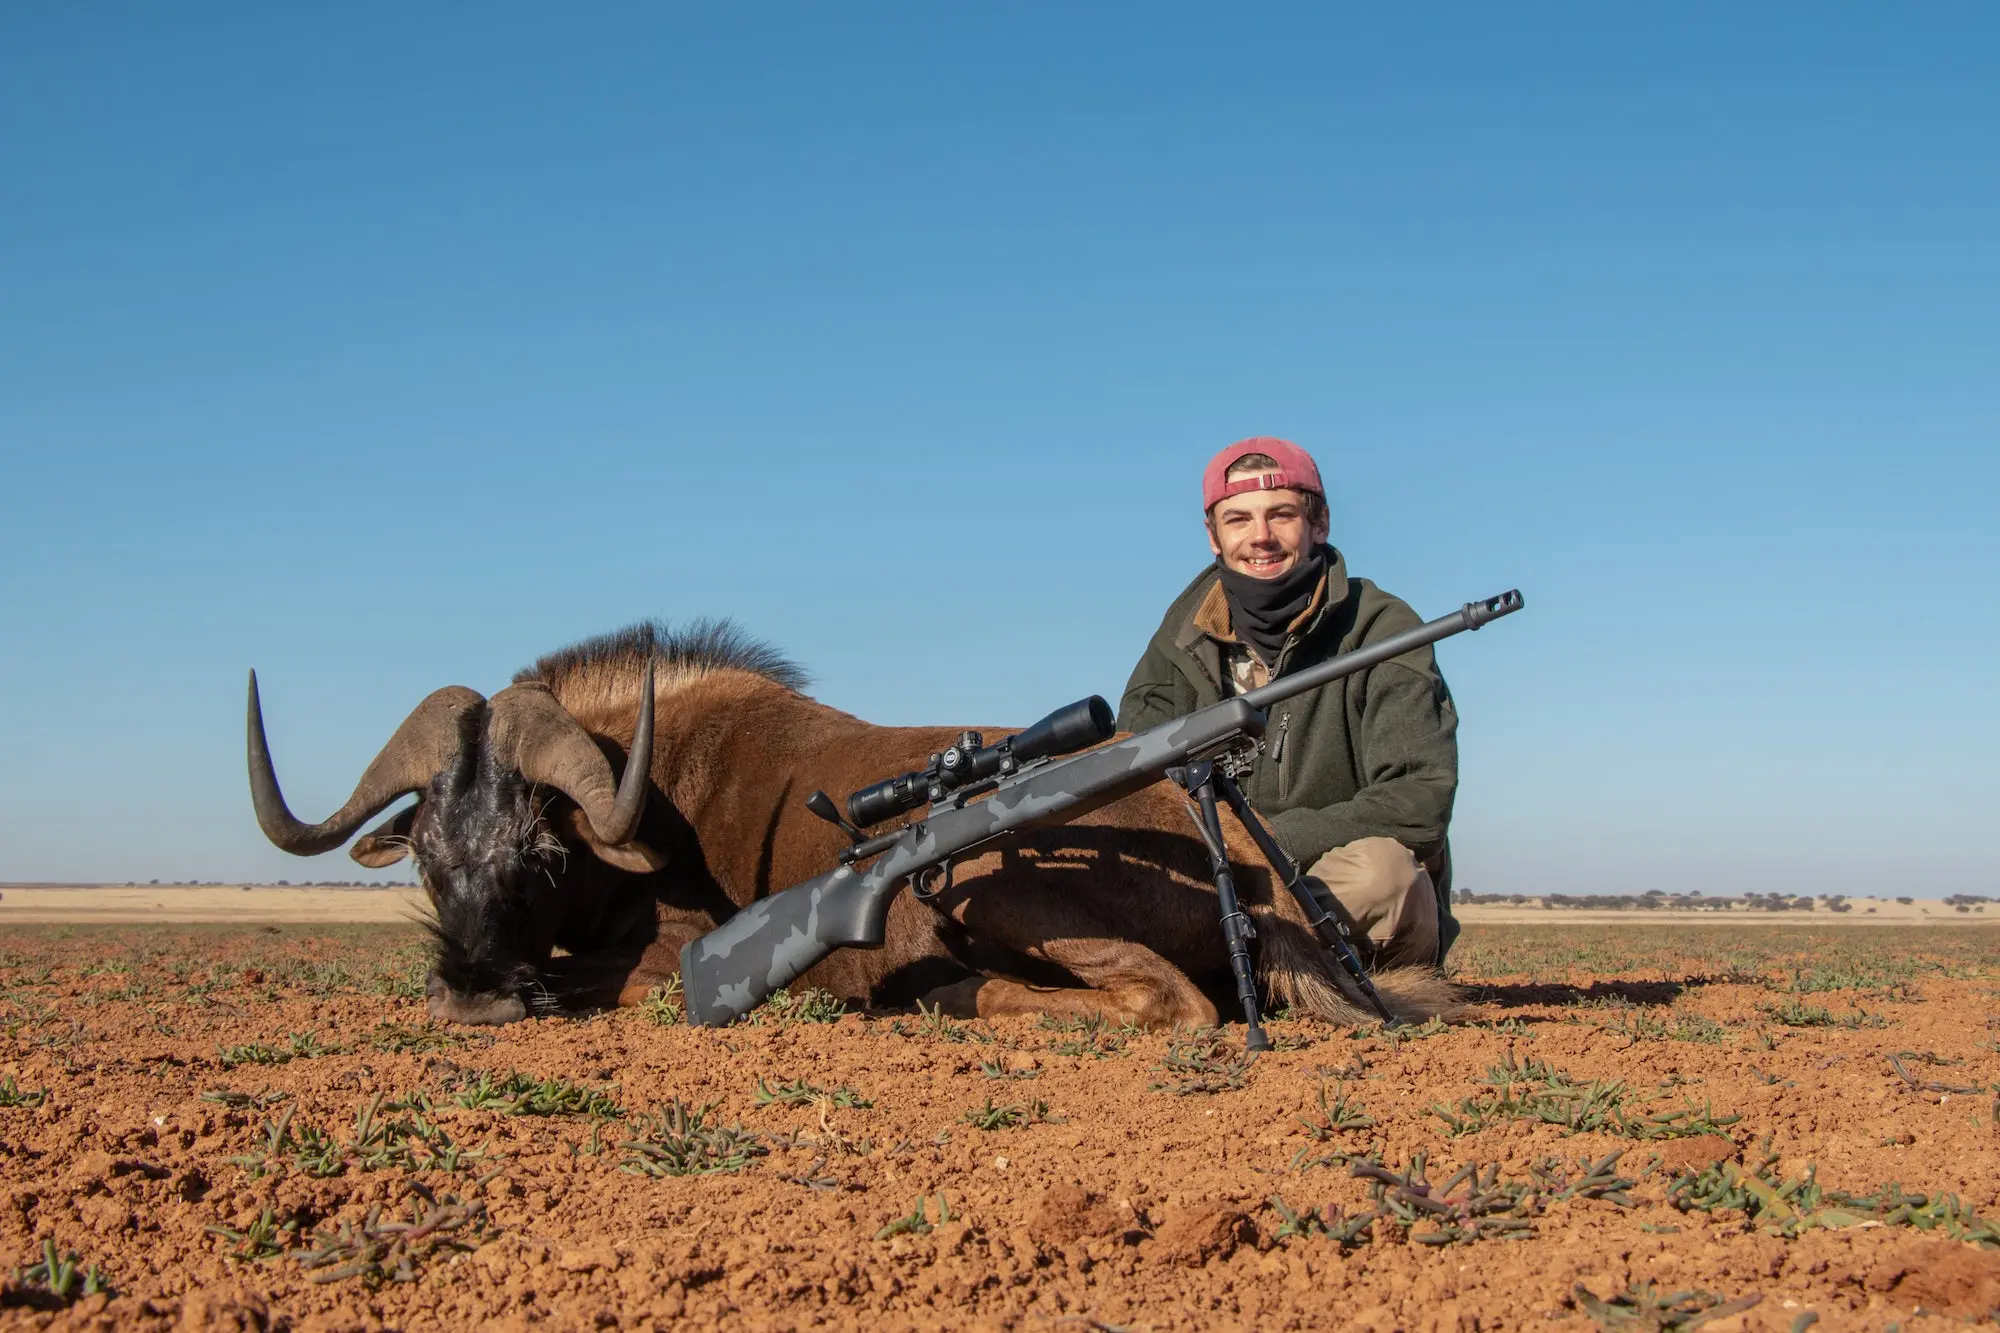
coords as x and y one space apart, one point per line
1197 1233
223 1312
1694 1154
1067 1214
1940 1276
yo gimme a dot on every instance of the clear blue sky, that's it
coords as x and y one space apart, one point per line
383 347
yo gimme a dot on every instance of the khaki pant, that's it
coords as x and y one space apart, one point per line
1387 897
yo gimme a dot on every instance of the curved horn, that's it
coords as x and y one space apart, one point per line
537 735
421 748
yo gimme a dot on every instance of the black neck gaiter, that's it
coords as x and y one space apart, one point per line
1261 611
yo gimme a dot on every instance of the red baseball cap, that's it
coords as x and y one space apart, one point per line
1296 471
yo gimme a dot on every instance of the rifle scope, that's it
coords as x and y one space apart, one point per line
971 760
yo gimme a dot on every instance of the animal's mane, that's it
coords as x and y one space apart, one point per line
601 664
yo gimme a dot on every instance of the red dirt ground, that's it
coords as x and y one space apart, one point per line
138 1091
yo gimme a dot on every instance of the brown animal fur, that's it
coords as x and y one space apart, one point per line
1118 901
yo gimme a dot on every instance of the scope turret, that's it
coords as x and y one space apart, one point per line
970 761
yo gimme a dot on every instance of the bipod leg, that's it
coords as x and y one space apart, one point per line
1199 780
1329 927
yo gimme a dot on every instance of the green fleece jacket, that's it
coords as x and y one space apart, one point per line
1371 755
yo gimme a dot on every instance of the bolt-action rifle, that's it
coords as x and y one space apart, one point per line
1032 780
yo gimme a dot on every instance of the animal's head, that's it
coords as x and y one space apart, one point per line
507 788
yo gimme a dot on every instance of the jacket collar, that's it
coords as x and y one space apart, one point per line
1210 618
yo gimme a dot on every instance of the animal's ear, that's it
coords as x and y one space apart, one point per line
633 856
387 843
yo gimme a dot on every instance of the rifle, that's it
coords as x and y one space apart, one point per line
1028 784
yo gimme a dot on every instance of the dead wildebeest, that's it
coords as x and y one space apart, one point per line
527 844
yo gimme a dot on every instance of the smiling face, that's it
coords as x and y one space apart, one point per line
1265 534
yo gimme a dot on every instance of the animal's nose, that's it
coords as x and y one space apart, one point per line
487 1009
448 1006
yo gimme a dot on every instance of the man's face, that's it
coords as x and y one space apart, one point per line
1263 533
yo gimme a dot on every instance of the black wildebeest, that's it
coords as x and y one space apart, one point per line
557 884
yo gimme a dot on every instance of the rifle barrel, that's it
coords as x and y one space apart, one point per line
1470 616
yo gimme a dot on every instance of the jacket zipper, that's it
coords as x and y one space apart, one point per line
1278 746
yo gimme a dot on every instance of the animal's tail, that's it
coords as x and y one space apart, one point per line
1300 971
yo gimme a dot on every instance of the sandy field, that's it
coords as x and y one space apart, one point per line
1644 1126
56 904
1863 912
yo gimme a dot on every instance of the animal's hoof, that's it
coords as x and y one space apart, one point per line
958 1000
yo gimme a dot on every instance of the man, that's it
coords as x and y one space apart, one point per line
1356 778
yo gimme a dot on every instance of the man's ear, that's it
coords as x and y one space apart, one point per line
633 856
387 843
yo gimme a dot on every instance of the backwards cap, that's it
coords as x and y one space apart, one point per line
1296 471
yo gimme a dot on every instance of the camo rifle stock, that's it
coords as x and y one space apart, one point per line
729 971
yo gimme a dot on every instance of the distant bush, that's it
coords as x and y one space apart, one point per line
1654 900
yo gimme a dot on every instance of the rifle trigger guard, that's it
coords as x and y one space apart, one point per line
930 881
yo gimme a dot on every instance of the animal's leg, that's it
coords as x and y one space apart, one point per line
657 966
624 971
661 961
1127 982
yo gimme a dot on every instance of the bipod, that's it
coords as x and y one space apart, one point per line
1330 928
1200 780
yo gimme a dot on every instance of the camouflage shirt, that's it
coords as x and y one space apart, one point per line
1242 669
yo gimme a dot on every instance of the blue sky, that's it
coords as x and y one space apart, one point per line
385 347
